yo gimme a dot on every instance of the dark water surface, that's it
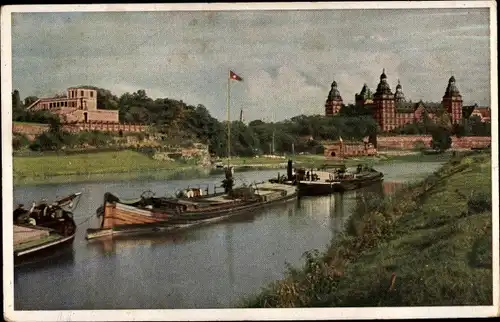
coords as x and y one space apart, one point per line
213 266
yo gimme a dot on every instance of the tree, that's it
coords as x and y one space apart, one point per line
16 100
30 100
441 139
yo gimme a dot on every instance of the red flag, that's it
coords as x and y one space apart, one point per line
233 76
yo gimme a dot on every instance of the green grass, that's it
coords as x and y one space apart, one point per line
103 163
434 235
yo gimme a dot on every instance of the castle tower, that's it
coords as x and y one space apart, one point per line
399 97
452 101
364 97
334 101
383 99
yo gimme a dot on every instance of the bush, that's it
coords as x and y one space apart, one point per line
20 141
479 202
419 146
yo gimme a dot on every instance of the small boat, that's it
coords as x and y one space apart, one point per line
190 207
43 229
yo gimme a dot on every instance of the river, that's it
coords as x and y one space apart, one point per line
213 266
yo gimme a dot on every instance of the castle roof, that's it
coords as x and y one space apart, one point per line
365 93
334 93
452 89
399 96
383 87
410 107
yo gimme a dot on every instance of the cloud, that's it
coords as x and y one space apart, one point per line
287 58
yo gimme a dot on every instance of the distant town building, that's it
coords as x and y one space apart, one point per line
483 112
392 110
345 149
79 105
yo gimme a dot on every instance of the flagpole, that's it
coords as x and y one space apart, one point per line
228 119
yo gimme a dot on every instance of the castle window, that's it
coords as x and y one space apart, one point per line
91 94
81 93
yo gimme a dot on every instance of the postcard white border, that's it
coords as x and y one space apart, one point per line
234 314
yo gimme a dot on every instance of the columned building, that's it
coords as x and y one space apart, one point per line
79 105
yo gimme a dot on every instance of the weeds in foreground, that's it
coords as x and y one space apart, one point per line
416 248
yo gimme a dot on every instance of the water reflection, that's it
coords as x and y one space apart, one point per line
211 266
62 257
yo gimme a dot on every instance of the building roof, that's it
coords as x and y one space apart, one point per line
410 107
452 89
83 87
383 87
334 93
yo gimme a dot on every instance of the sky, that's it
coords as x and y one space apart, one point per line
288 59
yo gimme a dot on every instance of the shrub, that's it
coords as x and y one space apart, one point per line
479 202
419 146
20 141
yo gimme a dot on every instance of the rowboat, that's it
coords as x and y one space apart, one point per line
43 229
188 208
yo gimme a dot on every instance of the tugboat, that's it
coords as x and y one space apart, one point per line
316 182
339 180
44 228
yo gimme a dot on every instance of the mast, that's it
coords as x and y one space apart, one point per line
228 119
274 130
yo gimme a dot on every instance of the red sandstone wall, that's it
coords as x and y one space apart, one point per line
407 142
37 129
104 116
105 127
29 129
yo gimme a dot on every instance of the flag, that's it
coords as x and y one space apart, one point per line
340 138
233 76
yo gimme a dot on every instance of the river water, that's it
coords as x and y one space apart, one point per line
213 266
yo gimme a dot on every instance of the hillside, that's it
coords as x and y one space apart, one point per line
428 245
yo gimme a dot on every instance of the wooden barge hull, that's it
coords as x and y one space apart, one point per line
42 250
129 220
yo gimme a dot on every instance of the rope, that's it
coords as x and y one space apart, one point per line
86 220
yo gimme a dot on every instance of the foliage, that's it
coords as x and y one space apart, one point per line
19 141
441 139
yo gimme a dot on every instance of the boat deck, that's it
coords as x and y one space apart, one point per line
219 199
23 234
36 242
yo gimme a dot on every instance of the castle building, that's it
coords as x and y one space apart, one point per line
334 101
392 110
79 105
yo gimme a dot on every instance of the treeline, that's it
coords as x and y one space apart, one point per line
181 123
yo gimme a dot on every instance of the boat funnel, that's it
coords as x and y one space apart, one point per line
289 170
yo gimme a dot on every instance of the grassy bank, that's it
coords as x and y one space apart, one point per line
96 165
429 244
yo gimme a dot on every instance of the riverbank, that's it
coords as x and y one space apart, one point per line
128 165
427 245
